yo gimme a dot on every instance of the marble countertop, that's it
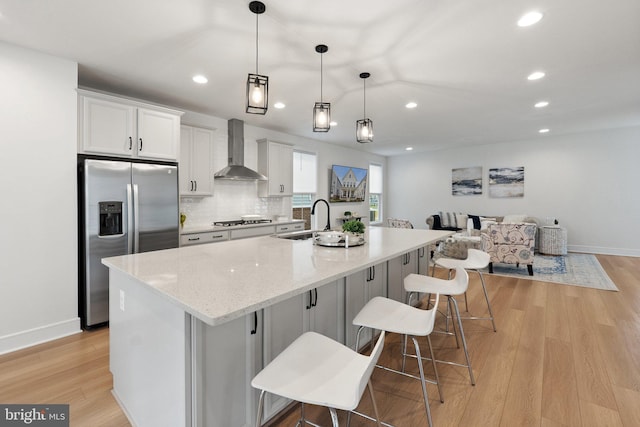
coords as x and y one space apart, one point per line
221 282
191 229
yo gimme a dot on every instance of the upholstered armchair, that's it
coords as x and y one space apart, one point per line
510 244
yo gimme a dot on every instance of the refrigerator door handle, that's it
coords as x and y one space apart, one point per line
129 220
136 220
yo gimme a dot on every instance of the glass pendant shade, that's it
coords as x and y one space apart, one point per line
364 131
257 84
321 117
257 94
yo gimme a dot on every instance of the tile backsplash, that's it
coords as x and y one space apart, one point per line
232 199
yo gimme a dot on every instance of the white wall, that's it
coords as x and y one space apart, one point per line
587 181
232 198
38 256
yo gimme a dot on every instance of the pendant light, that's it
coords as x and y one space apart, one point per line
321 110
364 127
257 85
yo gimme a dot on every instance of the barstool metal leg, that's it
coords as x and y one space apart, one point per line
260 406
422 381
373 402
486 297
435 369
334 417
464 341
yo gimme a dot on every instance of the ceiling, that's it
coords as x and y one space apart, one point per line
464 63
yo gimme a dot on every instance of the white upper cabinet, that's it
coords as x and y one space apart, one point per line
275 160
120 127
196 174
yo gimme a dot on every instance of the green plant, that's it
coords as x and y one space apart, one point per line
353 226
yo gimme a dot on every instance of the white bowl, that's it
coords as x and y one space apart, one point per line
330 236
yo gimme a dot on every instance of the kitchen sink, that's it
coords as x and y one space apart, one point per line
295 235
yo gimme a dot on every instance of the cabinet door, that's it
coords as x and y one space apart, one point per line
184 163
283 323
355 299
158 134
230 358
360 288
108 127
327 310
275 160
398 268
201 162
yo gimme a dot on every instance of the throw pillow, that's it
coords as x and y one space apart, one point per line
514 219
448 219
476 221
437 225
461 221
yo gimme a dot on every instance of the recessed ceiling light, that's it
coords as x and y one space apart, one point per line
536 75
411 105
332 124
200 79
529 19
279 105
541 104
409 148
545 130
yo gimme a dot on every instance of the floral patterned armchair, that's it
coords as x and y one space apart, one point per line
510 244
399 223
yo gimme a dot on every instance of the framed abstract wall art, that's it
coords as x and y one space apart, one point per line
466 181
506 182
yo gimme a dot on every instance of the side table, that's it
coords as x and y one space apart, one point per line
553 240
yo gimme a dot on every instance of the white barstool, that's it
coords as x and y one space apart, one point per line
392 316
418 283
317 370
476 260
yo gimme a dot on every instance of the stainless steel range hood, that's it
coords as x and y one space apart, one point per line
237 170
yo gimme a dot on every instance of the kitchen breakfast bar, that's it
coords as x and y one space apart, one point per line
190 327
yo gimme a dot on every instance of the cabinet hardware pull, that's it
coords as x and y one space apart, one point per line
421 252
130 143
315 302
194 239
191 189
373 272
310 301
196 185
284 228
140 144
217 236
255 323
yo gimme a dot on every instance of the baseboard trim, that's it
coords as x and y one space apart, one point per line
42 334
597 250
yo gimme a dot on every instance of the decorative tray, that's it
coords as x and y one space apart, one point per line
340 244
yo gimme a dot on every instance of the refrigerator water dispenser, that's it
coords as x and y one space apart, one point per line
110 218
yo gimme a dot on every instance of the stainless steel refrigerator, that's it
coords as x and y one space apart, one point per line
124 207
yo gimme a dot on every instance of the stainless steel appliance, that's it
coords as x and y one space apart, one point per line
124 207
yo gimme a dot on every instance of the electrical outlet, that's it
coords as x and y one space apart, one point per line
121 300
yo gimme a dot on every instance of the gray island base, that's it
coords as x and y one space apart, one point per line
190 327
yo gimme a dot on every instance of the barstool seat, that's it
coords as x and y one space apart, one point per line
475 261
392 316
317 370
418 283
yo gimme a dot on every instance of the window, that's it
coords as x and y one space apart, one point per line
304 185
375 193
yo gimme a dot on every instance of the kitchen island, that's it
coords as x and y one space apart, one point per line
189 327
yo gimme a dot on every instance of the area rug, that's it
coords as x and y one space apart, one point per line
573 269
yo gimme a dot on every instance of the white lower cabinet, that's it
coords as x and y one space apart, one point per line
227 360
398 269
320 310
361 287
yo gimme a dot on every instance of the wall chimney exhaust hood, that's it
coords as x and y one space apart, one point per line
236 170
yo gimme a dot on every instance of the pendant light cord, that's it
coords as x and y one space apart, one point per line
321 77
364 98
257 44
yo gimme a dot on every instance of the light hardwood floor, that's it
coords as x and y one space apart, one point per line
562 356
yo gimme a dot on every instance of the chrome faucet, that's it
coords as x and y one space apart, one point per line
313 209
